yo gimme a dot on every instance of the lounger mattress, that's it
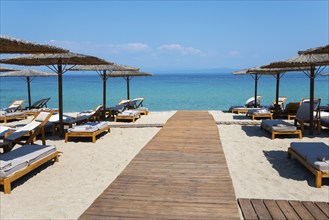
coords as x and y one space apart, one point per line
89 127
278 125
315 154
20 158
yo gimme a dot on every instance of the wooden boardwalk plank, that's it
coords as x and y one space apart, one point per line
260 209
180 174
324 207
274 209
247 209
301 210
314 210
287 210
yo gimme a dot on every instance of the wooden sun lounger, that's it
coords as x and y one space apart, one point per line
6 181
269 125
301 158
262 115
92 134
12 117
131 117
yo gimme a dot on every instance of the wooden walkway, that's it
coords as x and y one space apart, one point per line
180 174
283 209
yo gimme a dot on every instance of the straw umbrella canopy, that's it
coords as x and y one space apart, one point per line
316 50
28 75
12 45
128 75
102 70
277 73
7 69
57 63
305 61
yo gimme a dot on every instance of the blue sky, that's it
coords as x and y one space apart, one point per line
172 35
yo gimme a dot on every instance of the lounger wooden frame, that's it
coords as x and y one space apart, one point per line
6 118
298 132
93 135
318 174
262 115
241 110
127 117
6 182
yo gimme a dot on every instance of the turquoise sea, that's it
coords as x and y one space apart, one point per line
162 92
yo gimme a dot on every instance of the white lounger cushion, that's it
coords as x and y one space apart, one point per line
4 130
89 127
315 154
277 125
23 130
10 114
129 113
20 158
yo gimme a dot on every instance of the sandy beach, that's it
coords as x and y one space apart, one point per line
258 166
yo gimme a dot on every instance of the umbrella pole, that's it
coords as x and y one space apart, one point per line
28 80
60 97
277 95
104 94
256 86
312 76
128 89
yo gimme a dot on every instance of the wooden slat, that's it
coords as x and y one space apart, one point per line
274 209
314 210
301 210
260 209
180 174
248 211
324 207
287 210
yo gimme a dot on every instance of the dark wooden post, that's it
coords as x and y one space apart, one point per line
312 76
28 80
104 94
60 97
256 86
128 89
277 95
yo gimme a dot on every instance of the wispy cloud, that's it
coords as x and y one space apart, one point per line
180 49
234 53
109 48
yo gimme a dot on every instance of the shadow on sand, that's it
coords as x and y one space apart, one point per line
290 168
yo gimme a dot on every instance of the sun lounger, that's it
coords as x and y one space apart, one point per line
42 103
120 106
6 116
5 131
15 106
314 156
303 114
127 115
30 130
261 113
21 161
137 104
281 101
89 129
249 105
324 121
280 127
290 110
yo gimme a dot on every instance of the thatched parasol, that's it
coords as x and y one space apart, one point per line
6 69
28 75
128 75
12 45
305 61
57 63
316 50
102 70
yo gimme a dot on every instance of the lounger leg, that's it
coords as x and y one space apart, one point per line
253 117
94 138
56 158
6 186
318 180
273 135
43 136
66 137
109 130
300 135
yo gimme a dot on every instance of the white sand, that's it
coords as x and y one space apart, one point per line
258 166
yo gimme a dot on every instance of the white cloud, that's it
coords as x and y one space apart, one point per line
109 48
180 49
234 53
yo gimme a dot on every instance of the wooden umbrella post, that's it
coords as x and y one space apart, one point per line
28 80
312 76
60 97
104 93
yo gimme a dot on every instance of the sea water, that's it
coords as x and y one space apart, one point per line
162 92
